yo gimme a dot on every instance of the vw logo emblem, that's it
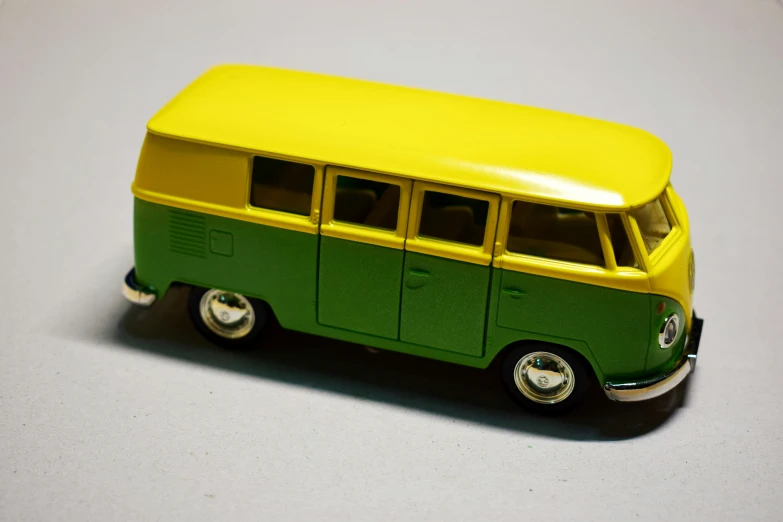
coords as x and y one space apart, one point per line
542 381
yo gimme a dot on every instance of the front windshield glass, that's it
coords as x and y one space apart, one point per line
653 224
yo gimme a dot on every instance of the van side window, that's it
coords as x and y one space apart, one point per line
367 202
453 218
554 233
282 185
653 224
623 252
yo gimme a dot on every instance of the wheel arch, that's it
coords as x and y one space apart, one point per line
198 285
578 348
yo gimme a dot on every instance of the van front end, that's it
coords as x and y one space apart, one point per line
675 329
663 382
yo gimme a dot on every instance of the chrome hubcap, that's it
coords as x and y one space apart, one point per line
544 377
227 314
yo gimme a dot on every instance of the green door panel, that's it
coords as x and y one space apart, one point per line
615 324
444 303
359 287
271 263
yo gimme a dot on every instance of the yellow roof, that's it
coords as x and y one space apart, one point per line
444 138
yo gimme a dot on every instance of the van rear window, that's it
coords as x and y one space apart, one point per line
282 185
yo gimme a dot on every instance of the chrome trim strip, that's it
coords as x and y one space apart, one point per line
134 293
643 390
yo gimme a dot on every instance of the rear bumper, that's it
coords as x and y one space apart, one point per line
649 388
135 293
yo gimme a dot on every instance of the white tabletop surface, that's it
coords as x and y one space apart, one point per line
112 413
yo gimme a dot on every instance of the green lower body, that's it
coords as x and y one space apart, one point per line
397 300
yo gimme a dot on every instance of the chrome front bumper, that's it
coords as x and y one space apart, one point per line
649 388
135 293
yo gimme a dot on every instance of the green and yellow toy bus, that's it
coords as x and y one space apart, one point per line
438 225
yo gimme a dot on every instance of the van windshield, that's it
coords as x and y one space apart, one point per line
653 224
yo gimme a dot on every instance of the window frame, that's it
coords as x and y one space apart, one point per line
358 232
598 229
610 275
650 260
281 218
481 254
609 255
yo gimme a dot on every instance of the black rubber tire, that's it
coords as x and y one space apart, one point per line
582 378
260 308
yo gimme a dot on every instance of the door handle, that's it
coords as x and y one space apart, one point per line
416 278
514 292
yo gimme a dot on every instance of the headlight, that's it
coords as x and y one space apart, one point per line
669 331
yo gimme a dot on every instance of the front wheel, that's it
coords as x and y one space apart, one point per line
545 379
227 319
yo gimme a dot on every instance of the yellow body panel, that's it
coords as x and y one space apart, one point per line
199 149
544 155
183 175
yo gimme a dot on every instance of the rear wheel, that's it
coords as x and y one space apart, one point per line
545 379
227 319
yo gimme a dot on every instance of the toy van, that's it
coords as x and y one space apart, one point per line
443 226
